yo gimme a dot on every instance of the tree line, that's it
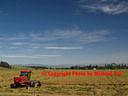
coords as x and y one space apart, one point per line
106 66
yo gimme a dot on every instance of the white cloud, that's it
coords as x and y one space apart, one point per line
17 38
46 36
13 47
60 34
63 48
19 43
107 7
34 44
96 36
49 44
35 47
33 56
13 37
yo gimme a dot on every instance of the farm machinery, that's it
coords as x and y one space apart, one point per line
24 80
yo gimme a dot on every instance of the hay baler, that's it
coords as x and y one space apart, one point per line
24 80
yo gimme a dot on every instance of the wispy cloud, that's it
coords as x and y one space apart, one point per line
33 56
107 6
35 47
96 36
19 43
75 35
46 36
34 44
14 37
17 38
63 48
13 47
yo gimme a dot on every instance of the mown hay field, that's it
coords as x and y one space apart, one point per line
67 86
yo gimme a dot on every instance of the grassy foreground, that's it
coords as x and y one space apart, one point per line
67 86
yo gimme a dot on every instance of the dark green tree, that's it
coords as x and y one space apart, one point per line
4 64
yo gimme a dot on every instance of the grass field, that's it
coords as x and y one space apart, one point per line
67 86
21 67
3 68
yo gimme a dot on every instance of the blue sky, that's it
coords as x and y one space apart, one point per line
63 31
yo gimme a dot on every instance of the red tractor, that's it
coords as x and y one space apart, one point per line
24 80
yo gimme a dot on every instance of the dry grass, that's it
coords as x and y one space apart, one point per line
67 86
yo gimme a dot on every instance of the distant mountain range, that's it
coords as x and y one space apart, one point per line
51 66
58 66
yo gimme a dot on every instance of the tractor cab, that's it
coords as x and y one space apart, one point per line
26 73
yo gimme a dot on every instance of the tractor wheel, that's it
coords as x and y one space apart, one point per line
28 87
12 85
39 83
34 84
